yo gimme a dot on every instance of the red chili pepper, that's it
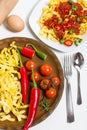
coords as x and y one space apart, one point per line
68 42
34 102
39 53
26 51
24 81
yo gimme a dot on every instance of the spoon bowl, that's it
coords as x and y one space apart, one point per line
78 60
78 63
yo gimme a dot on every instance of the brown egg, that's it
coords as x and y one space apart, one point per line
15 23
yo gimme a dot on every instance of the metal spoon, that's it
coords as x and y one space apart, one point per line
78 62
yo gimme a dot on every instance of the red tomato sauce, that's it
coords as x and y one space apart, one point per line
63 9
79 10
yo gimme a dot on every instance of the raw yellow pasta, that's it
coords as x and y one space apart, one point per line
10 86
83 2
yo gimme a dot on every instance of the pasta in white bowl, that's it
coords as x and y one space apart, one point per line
44 11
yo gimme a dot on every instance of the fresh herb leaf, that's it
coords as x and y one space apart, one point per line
44 103
60 21
71 31
74 8
77 41
62 41
85 16
78 19
70 1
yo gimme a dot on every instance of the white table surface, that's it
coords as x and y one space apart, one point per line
57 120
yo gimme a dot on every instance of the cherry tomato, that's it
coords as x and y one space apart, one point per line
66 10
46 70
85 12
36 76
58 27
68 42
51 93
60 34
44 83
55 81
69 25
30 65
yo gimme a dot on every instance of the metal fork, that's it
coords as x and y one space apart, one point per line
68 74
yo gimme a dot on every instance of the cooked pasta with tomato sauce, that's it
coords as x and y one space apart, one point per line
64 21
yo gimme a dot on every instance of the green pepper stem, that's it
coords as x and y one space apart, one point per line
29 44
21 64
19 48
34 83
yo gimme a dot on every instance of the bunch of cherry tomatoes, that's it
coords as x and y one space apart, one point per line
48 85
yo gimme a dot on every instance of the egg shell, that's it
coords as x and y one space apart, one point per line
15 23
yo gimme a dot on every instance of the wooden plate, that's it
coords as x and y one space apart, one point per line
57 71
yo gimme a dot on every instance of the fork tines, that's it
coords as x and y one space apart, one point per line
68 64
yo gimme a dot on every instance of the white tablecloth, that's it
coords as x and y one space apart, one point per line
57 120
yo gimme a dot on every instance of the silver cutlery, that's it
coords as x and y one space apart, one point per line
78 62
68 74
